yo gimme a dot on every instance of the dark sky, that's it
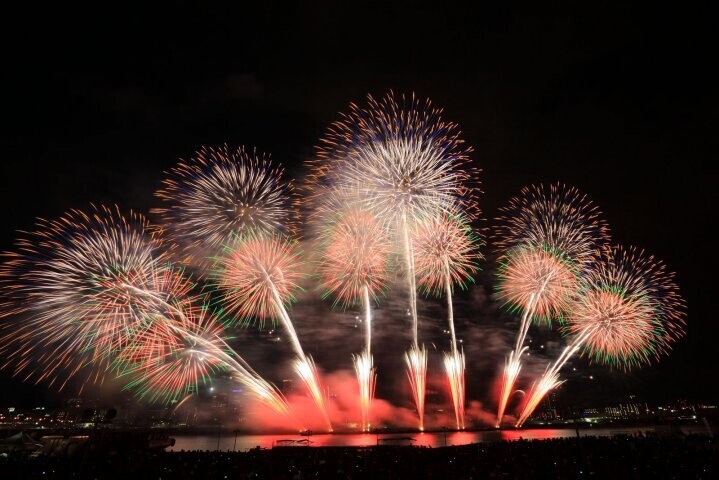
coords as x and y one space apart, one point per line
619 103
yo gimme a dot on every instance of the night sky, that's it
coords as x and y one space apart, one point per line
621 104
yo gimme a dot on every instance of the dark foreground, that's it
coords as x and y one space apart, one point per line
589 457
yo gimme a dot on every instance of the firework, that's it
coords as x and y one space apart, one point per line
536 280
366 379
65 289
400 160
548 236
257 276
557 218
176 346
355 257
454 365
627 312
633 305
446 253
416 360
398 157
218 193
354 269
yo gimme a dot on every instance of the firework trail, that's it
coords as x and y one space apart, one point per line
628 311
548 236
446 253
257 276
400 160
78 289
220 192
355 252
164 361
177 346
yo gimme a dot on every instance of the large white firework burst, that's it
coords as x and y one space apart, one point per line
221 192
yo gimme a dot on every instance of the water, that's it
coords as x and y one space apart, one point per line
226 442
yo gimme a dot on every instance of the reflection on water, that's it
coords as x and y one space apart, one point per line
434 439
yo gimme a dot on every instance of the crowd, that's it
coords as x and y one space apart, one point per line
587 457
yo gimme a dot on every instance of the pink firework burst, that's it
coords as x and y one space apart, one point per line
259 273
355 255
538 280
547 236
632 307
444 249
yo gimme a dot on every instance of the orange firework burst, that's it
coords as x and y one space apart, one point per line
70 290
258 274
445 249
355 255
632 306
221 192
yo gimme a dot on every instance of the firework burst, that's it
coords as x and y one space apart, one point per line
556 218
257 276
355 256
627 313
176 347
65 290
633 307
79 290
219 193
548 237
398 157
446 251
